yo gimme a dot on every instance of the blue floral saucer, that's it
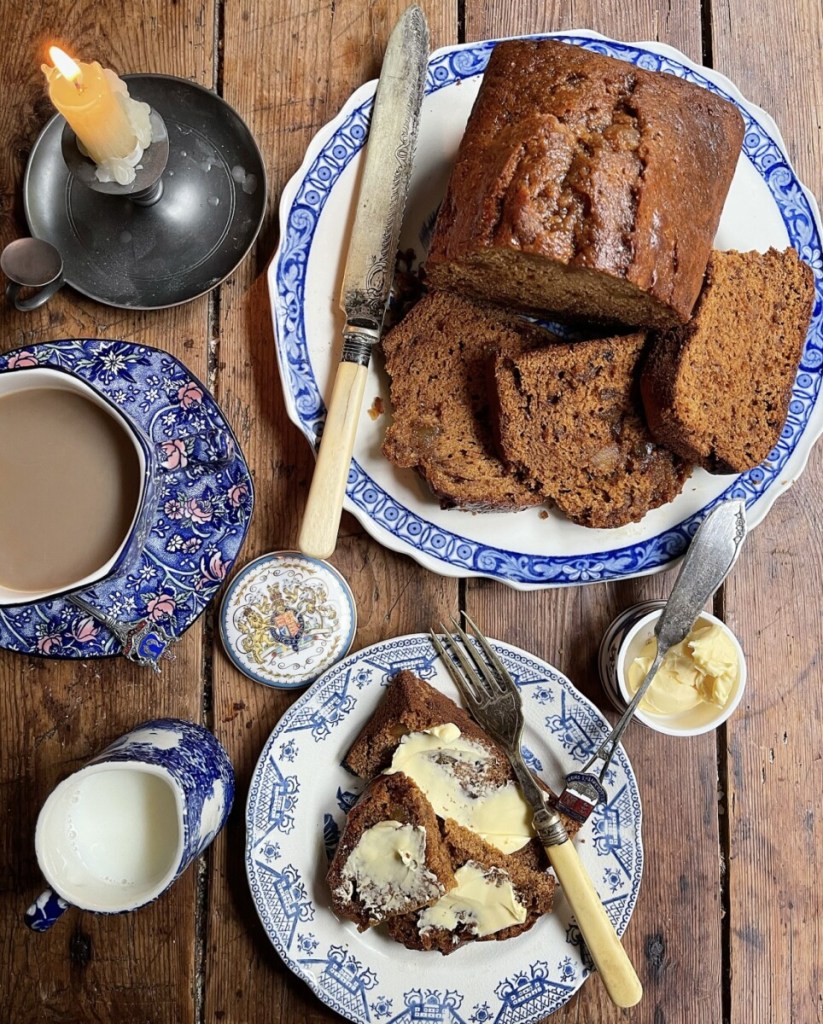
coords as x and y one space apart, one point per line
298 799
204 502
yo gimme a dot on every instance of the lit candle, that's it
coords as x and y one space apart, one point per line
111 128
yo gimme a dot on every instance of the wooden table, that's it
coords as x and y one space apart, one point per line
728 924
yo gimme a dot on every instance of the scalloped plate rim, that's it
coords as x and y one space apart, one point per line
798 458
545 739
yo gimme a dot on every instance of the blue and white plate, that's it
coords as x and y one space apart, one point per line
297 804
204 501
766 206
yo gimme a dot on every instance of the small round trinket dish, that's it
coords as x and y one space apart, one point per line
287 618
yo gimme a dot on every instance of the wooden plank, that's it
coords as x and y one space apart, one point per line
773 603
315 58
674 938
56 715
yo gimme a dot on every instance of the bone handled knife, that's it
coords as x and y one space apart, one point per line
369 268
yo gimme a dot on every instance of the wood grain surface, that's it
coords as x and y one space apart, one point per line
728 924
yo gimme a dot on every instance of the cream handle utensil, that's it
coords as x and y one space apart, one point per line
321 520
495 703
610 958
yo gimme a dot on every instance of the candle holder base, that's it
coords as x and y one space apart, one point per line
147 186
201 219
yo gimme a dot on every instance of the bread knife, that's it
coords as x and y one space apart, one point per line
369 269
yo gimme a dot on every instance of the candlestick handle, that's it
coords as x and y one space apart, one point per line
31 263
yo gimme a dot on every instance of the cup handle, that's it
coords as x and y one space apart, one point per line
34 301
45 910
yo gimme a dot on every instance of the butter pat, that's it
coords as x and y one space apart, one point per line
446 766
388 869
483 900
703 668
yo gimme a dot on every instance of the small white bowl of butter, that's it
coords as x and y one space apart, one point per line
699 683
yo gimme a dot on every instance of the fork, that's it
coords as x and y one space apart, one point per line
494 701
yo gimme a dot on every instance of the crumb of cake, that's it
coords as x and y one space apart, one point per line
376 408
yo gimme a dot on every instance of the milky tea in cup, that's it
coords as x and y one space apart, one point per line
115 835
71 480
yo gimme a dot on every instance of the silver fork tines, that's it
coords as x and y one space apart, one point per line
483 687
484 683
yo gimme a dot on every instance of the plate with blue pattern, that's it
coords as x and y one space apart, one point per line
298 800
204 502
767 206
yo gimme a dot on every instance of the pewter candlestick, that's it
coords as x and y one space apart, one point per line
177 231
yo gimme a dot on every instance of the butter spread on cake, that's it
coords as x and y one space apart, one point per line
388 870
496 897
483 901
454 774
391 858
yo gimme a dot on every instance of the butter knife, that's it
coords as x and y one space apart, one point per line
709 560
369 268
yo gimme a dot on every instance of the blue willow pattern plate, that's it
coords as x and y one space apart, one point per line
204 501
297 805
767 205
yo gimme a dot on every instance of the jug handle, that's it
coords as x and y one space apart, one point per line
45 910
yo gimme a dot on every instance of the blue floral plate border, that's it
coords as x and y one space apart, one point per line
204 501
297 804
393 508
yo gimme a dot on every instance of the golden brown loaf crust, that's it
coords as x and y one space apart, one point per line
387 798
571 422
534 889
438 359
717 390
587 186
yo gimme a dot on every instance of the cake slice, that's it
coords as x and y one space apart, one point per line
408 705
717 390
438 359
571 423
415 716
391 858
495 897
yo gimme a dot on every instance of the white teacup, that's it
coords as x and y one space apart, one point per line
13 382
116 834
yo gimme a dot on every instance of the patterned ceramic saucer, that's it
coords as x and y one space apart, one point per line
204 502
286 618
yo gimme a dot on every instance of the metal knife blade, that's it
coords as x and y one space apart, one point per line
389 155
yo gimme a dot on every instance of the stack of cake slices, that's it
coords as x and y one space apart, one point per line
439 847
590 190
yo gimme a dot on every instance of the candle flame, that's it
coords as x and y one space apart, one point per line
68 68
